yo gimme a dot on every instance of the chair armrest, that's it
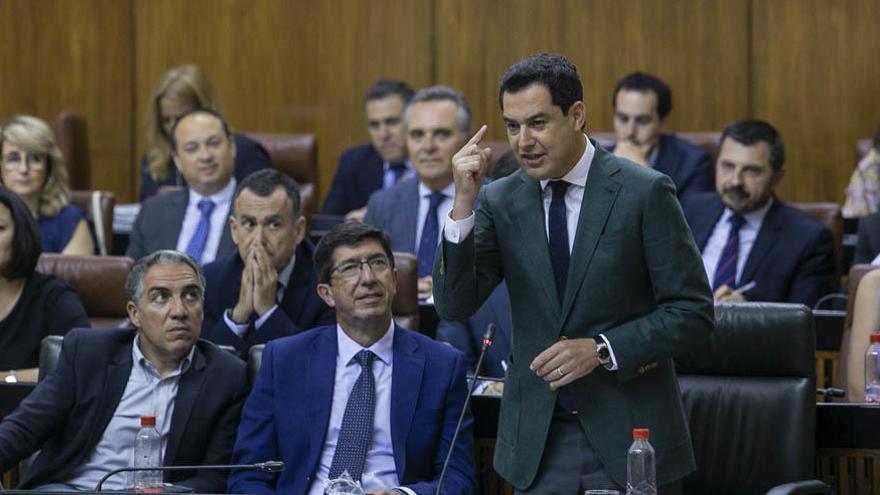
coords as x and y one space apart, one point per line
809 487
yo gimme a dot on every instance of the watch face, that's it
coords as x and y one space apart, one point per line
603 353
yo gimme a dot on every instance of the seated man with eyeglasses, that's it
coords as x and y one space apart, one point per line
365 396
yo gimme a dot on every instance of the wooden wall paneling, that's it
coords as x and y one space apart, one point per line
295 66
816 79
73 54
698 47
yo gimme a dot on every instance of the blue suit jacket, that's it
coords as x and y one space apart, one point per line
300 309
689 166
288 412
467 335
396 210
360 173
792 259
68 411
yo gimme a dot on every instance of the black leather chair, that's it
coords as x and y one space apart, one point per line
50 351
750 400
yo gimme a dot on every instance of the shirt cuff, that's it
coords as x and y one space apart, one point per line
405 490
266 316
237 329
610 351
456 230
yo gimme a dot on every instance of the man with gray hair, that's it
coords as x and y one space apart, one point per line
437 122
83 416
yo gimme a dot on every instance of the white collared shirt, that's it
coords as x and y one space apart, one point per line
219 217
747 235
380 472
388 175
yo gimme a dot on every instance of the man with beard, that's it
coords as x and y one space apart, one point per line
756 247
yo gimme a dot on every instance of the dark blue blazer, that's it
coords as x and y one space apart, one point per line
68 411
300 309
288 411
396 210
792 259
360 173
467 335
689 166
250 156
868 244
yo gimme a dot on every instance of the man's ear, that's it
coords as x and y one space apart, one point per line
326 294
133 314
578 113
299 226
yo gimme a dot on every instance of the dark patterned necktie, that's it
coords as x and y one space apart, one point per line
356 432
430 236
725 273
200 237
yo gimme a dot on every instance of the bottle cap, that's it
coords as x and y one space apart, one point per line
641 433
148 420
875 337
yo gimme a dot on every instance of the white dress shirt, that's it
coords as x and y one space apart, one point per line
456 230
219 217
747 235
380 472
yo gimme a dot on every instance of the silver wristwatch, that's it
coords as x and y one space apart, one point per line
603 353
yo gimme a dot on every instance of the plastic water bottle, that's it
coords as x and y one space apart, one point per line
872 373
147 453
640 474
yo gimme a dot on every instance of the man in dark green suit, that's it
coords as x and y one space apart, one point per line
605 282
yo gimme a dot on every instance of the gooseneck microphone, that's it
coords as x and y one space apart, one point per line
266 467
487 342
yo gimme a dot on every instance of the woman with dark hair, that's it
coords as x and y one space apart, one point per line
32 305
181 89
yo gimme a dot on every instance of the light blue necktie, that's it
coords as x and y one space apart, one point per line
200 237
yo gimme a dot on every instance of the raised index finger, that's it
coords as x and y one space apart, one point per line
478 136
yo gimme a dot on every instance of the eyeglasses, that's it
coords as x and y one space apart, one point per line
13 161
352 269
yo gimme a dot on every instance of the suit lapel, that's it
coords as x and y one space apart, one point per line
318 383
188 390
599 196
116 378
299 284
767 238
406 380
174 214
704 224
527 205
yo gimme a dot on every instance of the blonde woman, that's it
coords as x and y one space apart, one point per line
32 167
182 89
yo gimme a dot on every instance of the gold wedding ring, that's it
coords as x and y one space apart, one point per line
561 373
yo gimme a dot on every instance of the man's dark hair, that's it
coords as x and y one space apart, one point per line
347 234
749 132
388 87
264 182
644 82
27 245
553 71
134 282
190 112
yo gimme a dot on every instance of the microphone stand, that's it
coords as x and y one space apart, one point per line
487 341
267 467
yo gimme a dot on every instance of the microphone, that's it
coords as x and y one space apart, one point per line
487 341
266 467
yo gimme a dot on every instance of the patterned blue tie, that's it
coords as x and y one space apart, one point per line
558 227
430 235
725 273
200 236
356 432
